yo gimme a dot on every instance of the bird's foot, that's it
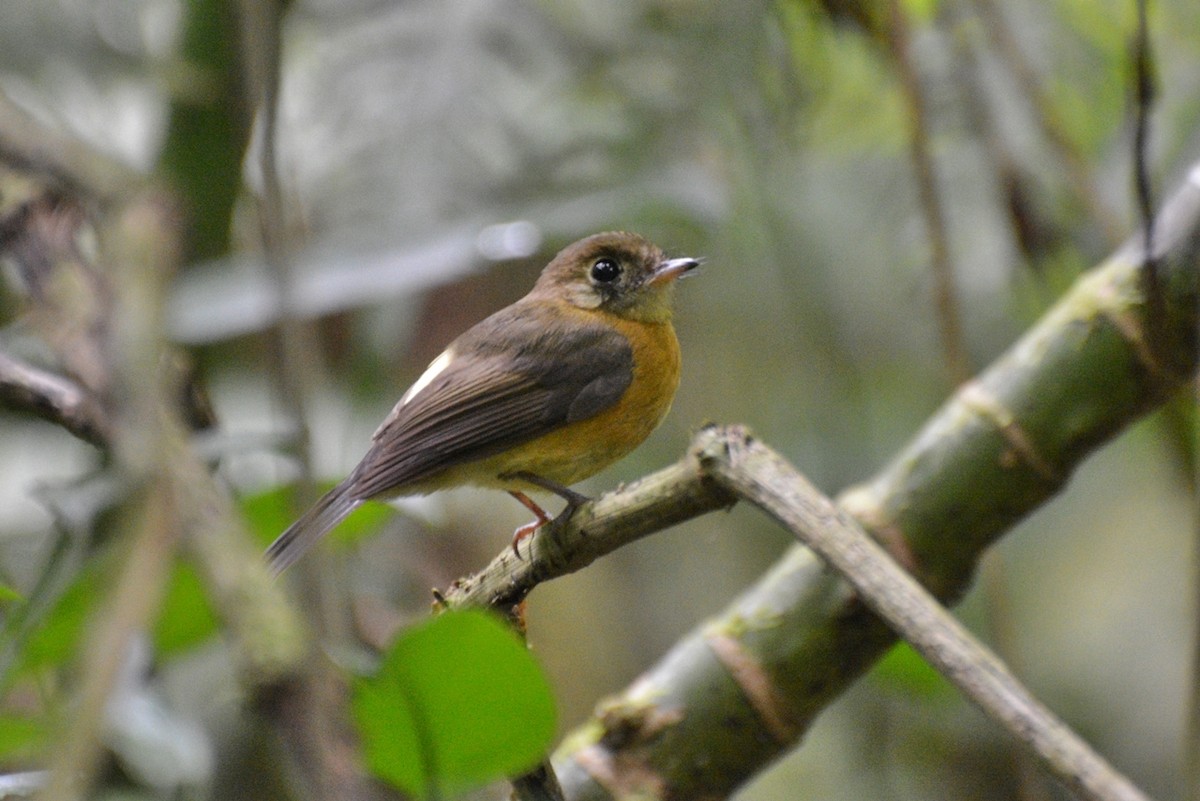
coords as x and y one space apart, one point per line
574 501
527 530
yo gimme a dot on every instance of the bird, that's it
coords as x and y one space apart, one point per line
540 395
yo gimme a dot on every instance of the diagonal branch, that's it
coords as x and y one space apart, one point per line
756 473
652 503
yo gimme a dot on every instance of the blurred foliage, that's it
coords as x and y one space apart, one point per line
208 125
185 619
22 738
271 511
57 639
769 137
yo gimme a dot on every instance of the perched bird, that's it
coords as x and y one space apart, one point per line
540 395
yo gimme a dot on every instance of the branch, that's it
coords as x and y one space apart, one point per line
653 503
54 398
725 464
756 473
99 312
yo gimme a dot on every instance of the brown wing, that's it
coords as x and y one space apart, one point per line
515 376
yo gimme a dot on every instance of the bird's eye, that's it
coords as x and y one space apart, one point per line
605 271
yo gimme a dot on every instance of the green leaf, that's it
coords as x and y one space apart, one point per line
21 737
458 701
922 10
60 633
904 670
9 596
185 617
269 513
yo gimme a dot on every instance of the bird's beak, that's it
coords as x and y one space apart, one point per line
671 269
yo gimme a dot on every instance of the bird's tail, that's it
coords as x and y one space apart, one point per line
312 525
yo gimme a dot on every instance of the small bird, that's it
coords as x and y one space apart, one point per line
540 395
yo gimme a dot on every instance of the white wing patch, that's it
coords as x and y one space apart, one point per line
434 369
431 372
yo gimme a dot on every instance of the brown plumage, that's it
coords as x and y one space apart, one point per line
541 394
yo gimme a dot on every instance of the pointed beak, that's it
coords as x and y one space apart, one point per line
671 269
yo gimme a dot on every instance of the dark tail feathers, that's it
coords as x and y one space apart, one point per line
312 525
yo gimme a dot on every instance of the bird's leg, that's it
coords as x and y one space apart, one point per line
527 529
574 501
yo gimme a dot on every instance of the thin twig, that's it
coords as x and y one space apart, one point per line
122 618
1034 231
1144 95
313 730
1048 118
946 301
260 21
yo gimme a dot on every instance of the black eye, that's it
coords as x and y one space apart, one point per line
605 271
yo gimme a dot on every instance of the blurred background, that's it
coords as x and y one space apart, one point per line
432 157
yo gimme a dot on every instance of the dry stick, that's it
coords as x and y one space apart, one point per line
650 504
759 475
53 397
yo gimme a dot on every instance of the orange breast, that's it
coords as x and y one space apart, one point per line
578 450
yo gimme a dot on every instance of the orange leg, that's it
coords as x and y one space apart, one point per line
574 501
527 529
